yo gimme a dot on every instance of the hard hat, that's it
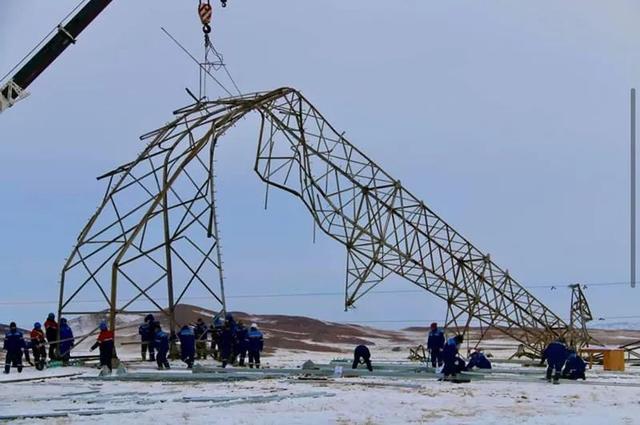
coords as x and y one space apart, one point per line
103 326
37 325
51 316
253 325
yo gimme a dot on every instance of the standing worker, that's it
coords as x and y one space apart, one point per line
147 334
226 343
15 346
555 354
66 341
106 344
51 331
435 344
187 345
362 355
201 332
241 343
37 346
161 343
255 344
453 364
216 333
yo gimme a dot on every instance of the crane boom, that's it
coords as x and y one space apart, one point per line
14 90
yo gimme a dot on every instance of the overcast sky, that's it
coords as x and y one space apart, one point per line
509 119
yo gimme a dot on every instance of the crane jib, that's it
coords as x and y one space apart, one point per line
65 36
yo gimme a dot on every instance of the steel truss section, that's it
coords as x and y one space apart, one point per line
385 229
579 316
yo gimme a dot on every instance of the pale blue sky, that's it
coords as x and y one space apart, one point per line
509 119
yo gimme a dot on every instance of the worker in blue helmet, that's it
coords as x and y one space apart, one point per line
66 341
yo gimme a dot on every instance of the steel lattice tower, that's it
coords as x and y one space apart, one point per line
157 221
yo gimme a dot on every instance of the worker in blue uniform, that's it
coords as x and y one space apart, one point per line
241 343
187 345
453 364
362 355
255 345
161 345
15 347
66 341
226 343
147 335
479 360
574 367
435 344
555 354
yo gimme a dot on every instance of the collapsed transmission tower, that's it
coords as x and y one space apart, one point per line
169 222
579 316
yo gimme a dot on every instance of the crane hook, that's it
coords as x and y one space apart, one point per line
223 3
204 12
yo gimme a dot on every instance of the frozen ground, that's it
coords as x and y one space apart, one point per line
342 401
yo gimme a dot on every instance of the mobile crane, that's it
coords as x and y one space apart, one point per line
14 89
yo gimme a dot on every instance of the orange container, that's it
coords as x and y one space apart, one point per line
613 360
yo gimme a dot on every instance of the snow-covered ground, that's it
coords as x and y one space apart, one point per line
340 401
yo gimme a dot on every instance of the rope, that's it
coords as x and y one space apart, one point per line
196 61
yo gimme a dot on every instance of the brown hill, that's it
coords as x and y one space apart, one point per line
299 332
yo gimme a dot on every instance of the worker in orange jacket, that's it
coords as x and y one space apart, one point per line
106 344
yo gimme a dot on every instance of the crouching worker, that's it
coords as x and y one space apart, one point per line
106 344
161 344
362 355
453 364
479 360
255 344
15 347
66 342
574 367
187 345
38 346
555 354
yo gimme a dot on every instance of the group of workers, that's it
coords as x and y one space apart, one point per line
442 352
231 342
445 353
564 361
59 337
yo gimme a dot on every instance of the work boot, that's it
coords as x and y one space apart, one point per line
6 369
20 369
